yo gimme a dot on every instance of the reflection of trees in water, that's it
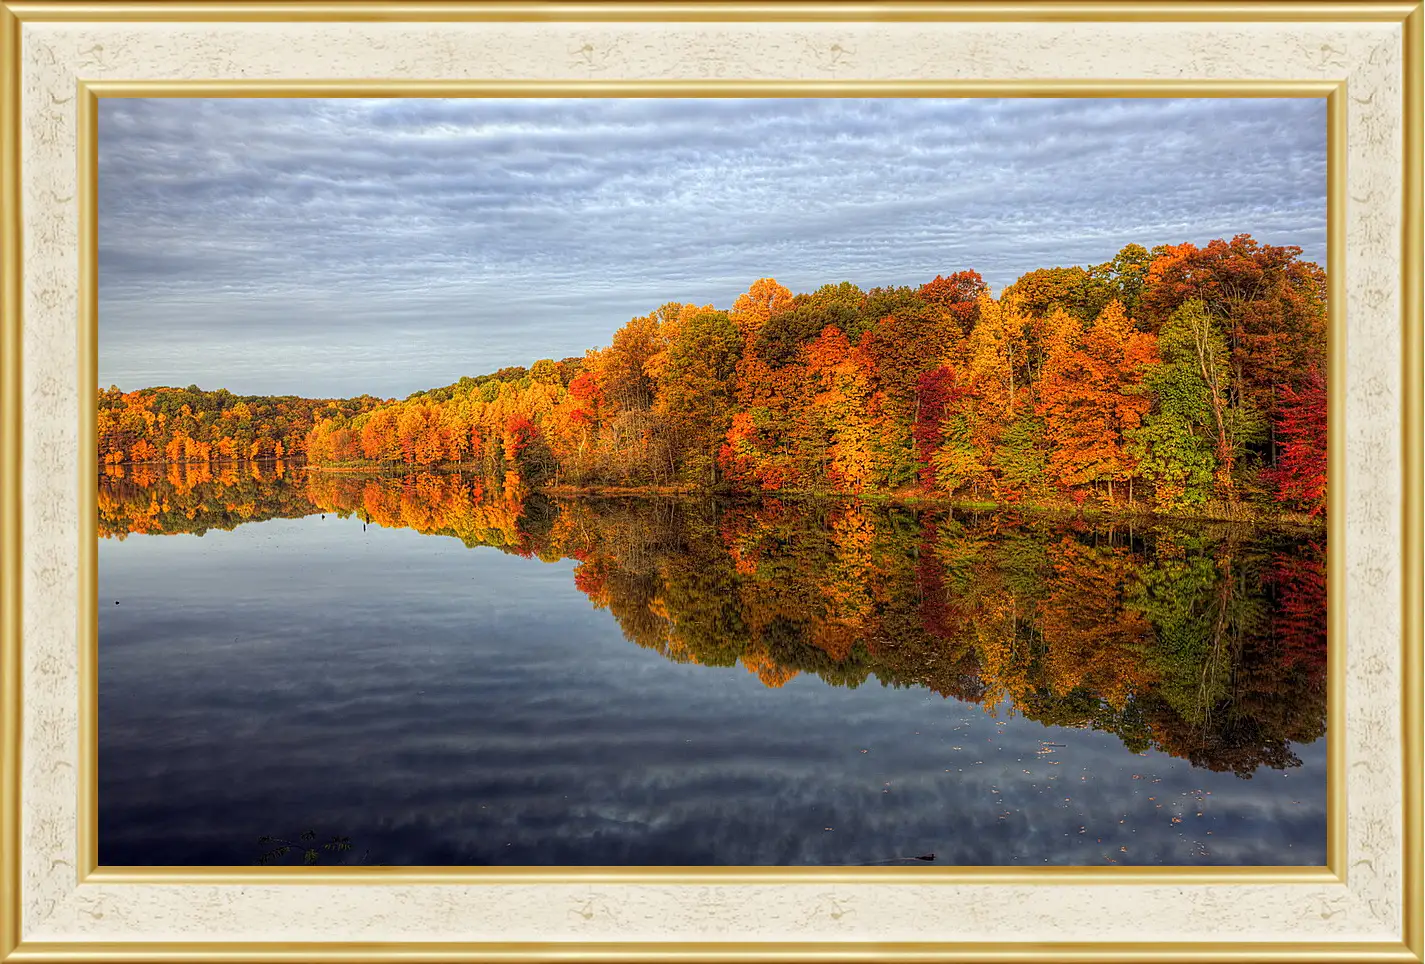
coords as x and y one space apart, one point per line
1207 643
197 496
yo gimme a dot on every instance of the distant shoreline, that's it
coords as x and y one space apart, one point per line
1241 514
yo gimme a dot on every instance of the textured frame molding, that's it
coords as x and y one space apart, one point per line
59 57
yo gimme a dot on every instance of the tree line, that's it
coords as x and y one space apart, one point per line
179 425
1177 378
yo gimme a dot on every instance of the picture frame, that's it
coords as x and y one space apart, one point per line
60 57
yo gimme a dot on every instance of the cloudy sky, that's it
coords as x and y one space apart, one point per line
334 247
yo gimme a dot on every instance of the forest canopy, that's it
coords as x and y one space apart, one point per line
1179 378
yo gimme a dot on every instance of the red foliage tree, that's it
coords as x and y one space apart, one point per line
958 295
935 391
1300 472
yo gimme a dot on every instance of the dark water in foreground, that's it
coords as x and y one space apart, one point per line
487 677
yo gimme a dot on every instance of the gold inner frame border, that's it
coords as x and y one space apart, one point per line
88 97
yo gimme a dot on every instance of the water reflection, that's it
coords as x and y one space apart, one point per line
1204 642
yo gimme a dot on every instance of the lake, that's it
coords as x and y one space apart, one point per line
447 672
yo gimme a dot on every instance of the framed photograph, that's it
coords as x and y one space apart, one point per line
703 481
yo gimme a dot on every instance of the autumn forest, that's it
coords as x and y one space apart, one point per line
1180 380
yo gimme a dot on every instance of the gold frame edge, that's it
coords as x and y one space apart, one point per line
90 870
11 479
88 353
1412 317
1336 627
715 11
732 952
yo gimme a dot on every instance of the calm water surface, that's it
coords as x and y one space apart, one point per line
450 674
